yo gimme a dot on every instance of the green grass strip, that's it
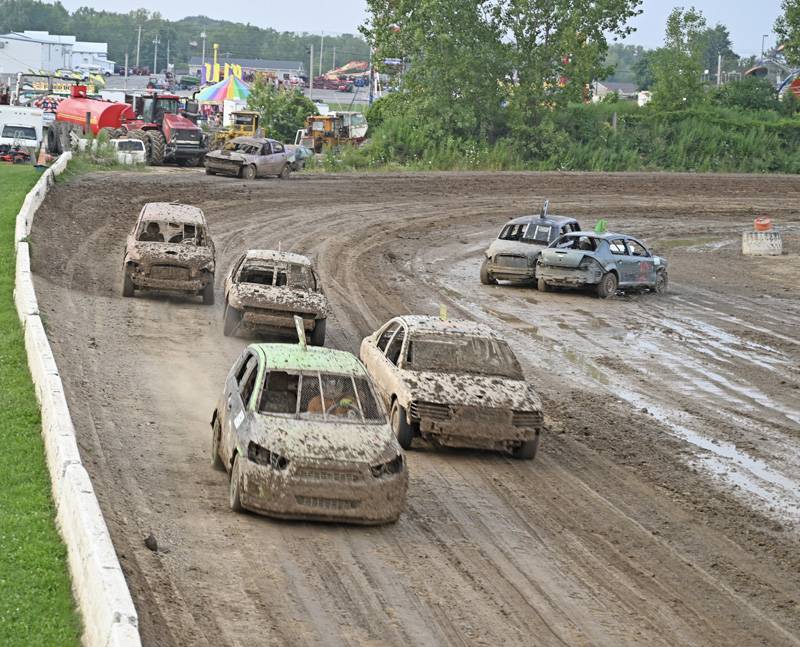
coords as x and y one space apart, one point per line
36 605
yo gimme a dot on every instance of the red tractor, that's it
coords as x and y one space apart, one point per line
167 135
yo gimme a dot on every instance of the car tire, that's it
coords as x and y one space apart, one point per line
608 285
541 285
527 450
400 426
128 288
235 487
216 439
233 318
248 172
486 277
210 172
208 291
285 172
662 282
318 334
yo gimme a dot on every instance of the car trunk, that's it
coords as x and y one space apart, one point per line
563 257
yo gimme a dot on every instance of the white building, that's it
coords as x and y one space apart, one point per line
31 51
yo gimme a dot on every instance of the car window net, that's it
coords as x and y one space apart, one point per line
463 354
538 233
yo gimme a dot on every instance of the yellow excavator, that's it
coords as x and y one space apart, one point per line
244 123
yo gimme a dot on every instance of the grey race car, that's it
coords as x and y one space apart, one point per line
250 157
604 261
513 255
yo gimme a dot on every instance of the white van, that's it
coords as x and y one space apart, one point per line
21 126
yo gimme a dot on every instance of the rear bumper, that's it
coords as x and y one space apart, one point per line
506 273
142 281
294 495
573 277
474 434
271 319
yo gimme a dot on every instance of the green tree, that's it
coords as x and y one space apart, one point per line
787 26
750 93
676 67
281 112
624 60
709 44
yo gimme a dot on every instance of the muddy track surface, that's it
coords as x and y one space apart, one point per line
662 509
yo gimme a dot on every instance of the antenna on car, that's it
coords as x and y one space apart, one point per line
301 332
545 207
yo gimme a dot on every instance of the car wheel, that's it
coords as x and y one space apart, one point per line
662 282
233 318
486 277
216 439
541 285
128 288
235 489
402 430
285 172
318 334
607 286
527 450
248 172
208 291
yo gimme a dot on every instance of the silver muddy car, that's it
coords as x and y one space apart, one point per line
605 262
249 158
512 257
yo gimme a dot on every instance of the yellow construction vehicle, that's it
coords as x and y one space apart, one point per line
244 123
333 129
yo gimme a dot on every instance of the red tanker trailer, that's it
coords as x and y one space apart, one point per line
153 118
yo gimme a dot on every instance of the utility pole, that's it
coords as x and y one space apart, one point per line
763 38
333 65
311 75
719 69
371 79
138 43
155 55
203 36
321 48
126 70
167 53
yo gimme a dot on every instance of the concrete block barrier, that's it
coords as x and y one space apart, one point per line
101 592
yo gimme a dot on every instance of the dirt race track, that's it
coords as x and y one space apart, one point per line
664 505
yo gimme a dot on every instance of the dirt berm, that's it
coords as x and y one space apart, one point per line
662 509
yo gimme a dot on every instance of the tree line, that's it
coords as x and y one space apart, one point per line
120 31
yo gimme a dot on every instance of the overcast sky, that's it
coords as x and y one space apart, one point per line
747 20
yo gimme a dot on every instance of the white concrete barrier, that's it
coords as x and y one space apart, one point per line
105 603
762 243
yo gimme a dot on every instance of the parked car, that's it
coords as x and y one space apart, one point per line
129 151
453 383
603 261
302 434
170 249
513 255
250 157
265 289
298 156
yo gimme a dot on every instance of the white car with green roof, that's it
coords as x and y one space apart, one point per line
302 435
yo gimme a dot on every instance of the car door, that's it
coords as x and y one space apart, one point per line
643 267
374 358
278 157
622 260
230 278
238 392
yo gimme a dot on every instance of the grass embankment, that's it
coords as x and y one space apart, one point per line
36 605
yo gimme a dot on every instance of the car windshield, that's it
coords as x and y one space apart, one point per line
295 276
19 132
164 231
243 147
462 354
313 395
130 145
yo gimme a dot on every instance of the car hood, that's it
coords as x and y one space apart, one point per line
329 441
231 156
252 295
531 250
171 254
471 390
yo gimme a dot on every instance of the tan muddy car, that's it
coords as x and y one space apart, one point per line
170 249
453 383
266 288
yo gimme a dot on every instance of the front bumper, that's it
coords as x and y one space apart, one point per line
323 492
184 151
572 277
224 167
476 429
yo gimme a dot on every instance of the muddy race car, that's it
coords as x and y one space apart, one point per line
512 257
604 262
303 435
265 289
170 249
453 383
249 158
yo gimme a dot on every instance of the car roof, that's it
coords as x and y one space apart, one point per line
427 324
258 141
275 255
547 220
312 358
604 236
174 212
